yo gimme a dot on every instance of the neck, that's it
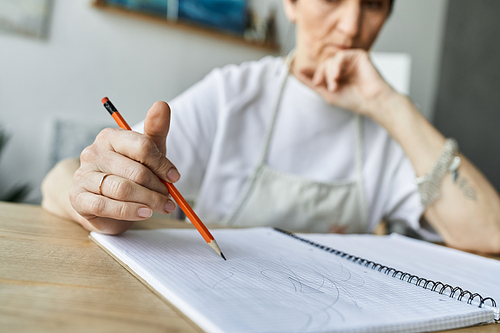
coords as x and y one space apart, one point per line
300 62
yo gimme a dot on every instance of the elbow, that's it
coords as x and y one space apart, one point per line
486 241
489 247
491 239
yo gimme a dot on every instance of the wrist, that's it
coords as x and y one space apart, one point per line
409 128
391 110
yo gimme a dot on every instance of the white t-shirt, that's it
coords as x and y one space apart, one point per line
217 131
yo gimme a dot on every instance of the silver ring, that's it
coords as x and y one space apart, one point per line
102 180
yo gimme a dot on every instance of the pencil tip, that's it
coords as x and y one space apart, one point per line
213 244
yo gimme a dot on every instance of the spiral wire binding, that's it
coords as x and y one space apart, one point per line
436 286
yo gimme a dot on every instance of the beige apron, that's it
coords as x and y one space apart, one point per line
277 199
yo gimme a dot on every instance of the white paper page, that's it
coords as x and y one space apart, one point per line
434 262
273 283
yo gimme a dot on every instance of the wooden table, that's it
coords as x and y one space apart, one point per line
54 279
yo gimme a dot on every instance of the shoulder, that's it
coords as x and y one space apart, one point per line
231 86
247 77
250 70
226 84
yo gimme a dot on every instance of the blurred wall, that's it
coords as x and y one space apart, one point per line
90 54
468 103
417 27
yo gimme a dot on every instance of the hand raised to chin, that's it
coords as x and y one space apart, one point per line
348 80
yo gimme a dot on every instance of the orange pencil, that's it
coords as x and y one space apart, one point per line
205 233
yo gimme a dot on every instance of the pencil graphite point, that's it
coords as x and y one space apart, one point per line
213 244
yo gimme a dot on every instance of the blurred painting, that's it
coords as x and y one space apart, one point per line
26 17
155 7
226 15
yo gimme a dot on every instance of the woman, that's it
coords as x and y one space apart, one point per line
319 142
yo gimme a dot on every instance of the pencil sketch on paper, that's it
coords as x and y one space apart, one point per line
312 291
273 283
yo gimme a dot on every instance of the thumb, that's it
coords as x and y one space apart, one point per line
157 124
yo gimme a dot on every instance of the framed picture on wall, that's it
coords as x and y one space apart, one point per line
225 15
153 7
233 18
25 17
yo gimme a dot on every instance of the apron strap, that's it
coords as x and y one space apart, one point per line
359 167
359 147
285 71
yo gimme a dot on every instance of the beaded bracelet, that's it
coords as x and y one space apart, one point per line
429 184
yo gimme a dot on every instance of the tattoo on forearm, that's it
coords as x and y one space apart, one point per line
468 190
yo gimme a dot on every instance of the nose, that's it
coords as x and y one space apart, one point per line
350 18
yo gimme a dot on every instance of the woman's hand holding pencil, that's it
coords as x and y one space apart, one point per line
124 176
119 176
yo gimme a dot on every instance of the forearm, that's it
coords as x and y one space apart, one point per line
467 214
56 186
55 191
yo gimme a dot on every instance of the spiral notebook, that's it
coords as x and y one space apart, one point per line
275 281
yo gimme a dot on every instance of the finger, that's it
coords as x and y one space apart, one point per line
92 206
124 167
319 75
124 190
142 149
305 77
157 124
334 71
